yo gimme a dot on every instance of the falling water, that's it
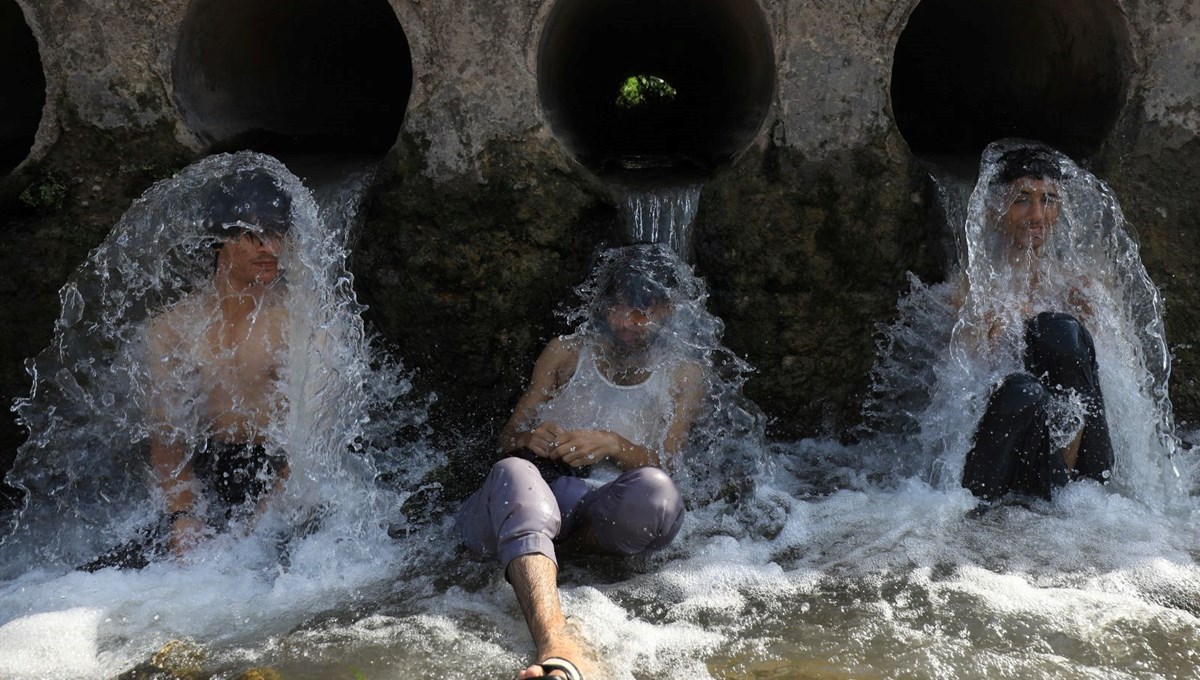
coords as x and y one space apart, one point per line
662 215
338 184
85 467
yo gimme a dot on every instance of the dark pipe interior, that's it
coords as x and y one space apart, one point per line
967 73
22 86
296 76
717 54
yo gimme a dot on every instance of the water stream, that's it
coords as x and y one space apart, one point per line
662 214
839 560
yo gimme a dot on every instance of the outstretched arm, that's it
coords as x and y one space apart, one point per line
177 482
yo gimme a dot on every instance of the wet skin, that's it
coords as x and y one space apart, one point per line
1031 214
250 258
632 330
231 336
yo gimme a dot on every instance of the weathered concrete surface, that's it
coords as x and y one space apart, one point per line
482 223
1152 162
476 271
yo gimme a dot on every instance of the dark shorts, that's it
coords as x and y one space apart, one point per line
233 478
236 475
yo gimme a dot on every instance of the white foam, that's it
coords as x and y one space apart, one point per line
51 645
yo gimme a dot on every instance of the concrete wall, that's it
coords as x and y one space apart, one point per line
483 219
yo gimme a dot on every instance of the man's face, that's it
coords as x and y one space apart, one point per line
251 257
1031 213
634 329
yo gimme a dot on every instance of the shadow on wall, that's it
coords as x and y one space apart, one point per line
22 87
967 73
297 76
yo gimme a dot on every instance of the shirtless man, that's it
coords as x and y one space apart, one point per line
602 399
214 360
1012 449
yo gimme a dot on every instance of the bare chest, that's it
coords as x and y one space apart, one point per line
244 357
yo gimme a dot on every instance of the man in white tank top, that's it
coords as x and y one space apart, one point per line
606 398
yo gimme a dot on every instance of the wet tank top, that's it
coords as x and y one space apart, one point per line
641 413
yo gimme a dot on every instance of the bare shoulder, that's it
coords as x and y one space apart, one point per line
555 365
558 360
562 351
688 375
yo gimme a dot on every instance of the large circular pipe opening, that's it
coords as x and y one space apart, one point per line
22 87
967 73
676 84
296 76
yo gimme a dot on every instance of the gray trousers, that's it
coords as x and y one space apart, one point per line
517 513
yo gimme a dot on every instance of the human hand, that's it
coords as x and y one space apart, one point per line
542 439
586 447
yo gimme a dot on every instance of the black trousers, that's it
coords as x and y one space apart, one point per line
1011 451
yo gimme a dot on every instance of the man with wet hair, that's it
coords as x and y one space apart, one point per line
604 399
1013 450
214 359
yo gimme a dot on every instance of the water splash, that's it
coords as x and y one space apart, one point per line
840 560
85 466
729 430
967 334
338 184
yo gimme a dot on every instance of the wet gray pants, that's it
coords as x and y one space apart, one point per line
517 513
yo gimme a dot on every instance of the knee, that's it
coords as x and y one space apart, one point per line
515 486
1020 392
650 494
509 469
1055 339
655 488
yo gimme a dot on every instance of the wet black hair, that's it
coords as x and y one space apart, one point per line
1027 161
640 277
251 197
